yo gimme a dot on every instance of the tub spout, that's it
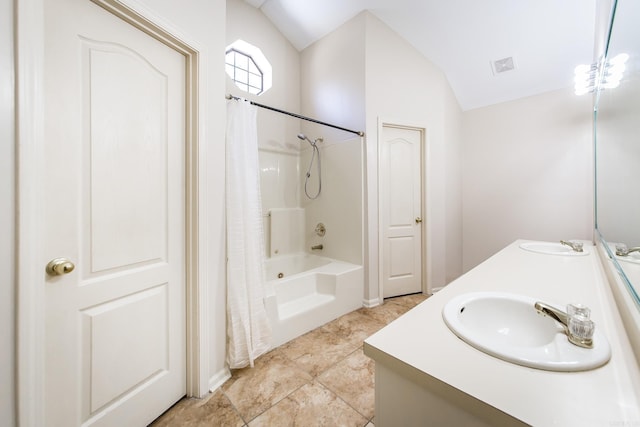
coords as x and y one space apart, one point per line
316 247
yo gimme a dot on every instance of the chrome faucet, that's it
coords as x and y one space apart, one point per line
316 247
622 250
578 331
576 246
556 314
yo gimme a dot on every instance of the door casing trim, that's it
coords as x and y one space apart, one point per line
30 328
425 243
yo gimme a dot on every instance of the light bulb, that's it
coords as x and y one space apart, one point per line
582 69
582 84
581 80
619 59
610 84
616 68
610 77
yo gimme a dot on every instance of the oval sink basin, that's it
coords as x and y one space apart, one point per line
508 327
551 248
633 257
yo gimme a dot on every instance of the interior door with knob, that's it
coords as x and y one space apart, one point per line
400 210
114 240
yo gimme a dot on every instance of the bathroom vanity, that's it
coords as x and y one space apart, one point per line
426 375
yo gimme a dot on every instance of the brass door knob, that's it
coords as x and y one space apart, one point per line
418 220
60 266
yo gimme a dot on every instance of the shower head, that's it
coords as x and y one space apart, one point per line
304 137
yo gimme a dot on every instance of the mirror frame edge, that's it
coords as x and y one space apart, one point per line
625 296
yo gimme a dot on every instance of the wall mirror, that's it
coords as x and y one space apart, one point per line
617 146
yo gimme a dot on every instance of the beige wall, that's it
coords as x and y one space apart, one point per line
275 130
333 83
353 78
453 187
402 86
527 173
332 90
618 152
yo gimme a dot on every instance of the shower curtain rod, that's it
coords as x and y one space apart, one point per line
298 116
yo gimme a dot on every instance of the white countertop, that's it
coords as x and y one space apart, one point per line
606 396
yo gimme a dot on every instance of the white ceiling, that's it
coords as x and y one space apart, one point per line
546 38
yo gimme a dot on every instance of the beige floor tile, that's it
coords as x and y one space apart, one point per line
311 405
284 378
392 308
352 380
214 411
355 327
254 390
409 300
387 312
318 350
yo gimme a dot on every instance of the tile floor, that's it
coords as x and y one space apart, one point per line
321 378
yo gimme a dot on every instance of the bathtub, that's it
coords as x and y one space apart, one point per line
310 291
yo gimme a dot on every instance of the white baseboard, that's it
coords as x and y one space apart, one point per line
218 379
370 303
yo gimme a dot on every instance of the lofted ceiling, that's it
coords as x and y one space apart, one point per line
547 39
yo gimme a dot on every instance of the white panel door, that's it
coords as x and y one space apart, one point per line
400 210
115 328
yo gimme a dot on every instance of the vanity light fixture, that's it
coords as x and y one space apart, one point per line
605 74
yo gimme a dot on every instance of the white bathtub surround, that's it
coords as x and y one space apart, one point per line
248 329
425 375
287 231
317 286
310 291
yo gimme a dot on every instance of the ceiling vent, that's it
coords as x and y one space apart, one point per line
502 65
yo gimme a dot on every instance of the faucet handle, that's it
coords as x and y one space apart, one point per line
578 310
579 325
581 331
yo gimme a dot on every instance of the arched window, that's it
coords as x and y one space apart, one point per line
247 66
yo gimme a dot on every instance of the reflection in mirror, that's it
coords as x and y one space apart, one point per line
618 150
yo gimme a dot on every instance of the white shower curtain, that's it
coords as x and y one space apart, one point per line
248 329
